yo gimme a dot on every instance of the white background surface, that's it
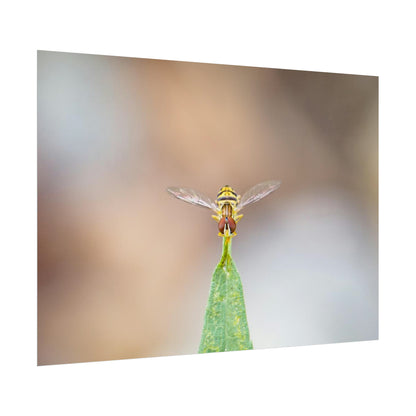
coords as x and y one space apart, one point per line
352 378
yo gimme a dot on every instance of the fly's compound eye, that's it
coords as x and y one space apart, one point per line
231 224
221 225
226 222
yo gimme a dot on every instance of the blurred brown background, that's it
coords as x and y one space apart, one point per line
124 270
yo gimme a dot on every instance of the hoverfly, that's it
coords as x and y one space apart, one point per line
228 204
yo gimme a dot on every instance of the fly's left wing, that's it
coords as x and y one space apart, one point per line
257 192
192 197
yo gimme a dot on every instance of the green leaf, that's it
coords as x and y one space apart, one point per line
225 325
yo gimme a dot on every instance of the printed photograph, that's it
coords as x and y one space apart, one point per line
190 208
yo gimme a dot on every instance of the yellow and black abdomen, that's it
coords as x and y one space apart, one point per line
227 195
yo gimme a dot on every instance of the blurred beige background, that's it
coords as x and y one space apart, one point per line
124 270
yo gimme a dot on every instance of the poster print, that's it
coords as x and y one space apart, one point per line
127 271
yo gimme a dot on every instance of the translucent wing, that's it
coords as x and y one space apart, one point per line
257 192
191 196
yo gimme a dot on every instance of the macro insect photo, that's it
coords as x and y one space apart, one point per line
280 247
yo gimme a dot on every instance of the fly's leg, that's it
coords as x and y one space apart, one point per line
238 217
226 233
216 217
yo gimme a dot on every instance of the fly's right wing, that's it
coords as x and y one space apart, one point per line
192 197
257 192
